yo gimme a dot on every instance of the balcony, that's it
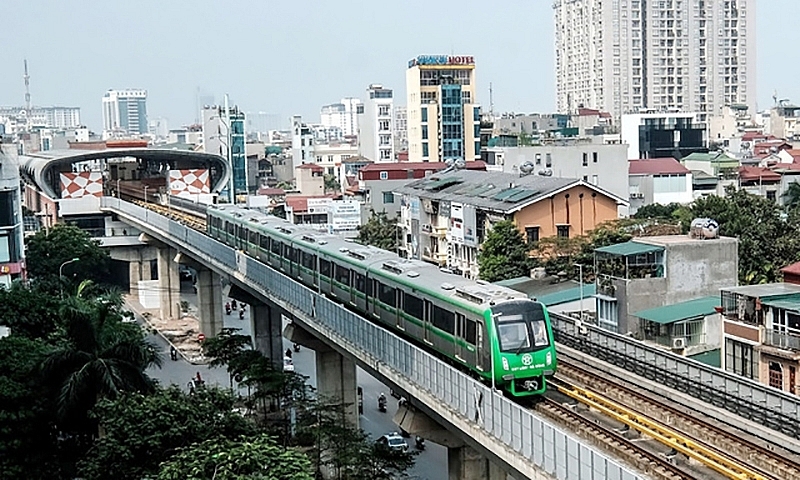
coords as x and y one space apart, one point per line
780 340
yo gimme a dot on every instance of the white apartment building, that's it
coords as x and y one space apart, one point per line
124 113
376 125
400 128
443 118
46 117
343 115
628 55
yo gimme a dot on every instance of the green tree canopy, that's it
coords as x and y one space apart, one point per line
31 312
47 251
792 195
379 231
504 254
331 184
246 458
98 356
657 210
142 431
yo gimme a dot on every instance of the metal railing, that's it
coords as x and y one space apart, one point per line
781 340
773 408
510 430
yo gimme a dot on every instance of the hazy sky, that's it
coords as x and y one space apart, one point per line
294 56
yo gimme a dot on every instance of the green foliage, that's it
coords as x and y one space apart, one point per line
331 184
27 445
30 312
140 432
792 196
97 356
379 231
243 459
46 252
657 210
504 254
768 238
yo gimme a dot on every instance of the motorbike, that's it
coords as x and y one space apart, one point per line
227 309
173 353
382 404
419 442
296 347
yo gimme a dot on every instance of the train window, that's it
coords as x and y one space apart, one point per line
325 268
253 238
470 334
413 306
243 233
265 242
386 295
361 283
343 275
229 228
444 320
290 253
309 260
277 247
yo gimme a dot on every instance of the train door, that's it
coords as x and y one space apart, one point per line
482 349
428 314
353 284
399 301
461 335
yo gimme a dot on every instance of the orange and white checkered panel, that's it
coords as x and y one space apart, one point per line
188 182
77 185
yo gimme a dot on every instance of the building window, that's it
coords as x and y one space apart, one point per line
383 110
594 179
383 125
424 132
594 157
739 358
319 158
776 375
585 159
388 197
425 149
330 158
548 161
562 231
386 154
532 234
384 175
538 159
424 114
607 314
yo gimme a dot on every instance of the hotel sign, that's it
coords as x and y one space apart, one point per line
442 60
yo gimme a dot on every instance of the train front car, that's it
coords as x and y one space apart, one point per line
524 348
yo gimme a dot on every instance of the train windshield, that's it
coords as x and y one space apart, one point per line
520 327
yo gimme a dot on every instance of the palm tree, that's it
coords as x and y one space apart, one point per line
792 195
99 356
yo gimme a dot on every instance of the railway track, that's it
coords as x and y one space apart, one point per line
728 453
190 219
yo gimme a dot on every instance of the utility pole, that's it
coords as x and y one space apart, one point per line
491 100
27 97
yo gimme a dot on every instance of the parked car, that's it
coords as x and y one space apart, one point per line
288 365
393 441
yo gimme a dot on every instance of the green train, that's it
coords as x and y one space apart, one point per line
488 329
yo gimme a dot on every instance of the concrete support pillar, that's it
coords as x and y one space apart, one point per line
266 324
169 284
464 463
336 382
209 299
135 274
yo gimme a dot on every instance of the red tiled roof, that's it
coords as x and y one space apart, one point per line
271 191
758 174
793 269
311 166
435 166
297 204
656 166
750 136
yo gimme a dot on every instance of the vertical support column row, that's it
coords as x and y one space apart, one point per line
465 463
336 382
169 284
209 297
266 324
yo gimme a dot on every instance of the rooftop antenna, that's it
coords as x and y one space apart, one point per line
491 100
27 96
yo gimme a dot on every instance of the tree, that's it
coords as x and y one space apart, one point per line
98 356
142 431
768 237
29 311
379 231
504 254
243 459
657 210
331 184
46 252
27 445
226 348
792 196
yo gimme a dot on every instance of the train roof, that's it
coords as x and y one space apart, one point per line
416 274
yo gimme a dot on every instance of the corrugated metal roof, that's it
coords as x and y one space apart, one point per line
699 307
712 358
629 248
785 302
503 192
570 295
656 166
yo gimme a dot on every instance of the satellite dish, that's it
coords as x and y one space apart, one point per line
545 172
527 168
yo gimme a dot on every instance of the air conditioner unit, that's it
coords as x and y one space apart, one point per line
637 195
678 343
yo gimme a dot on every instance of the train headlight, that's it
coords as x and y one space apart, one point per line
549 358
505 363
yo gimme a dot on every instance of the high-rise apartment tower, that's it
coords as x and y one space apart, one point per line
125 112
626 56
443 119
375 125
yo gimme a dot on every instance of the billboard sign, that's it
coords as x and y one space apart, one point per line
443 60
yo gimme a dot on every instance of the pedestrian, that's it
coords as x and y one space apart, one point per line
228 308
289 352
241 314
233 304
173 353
